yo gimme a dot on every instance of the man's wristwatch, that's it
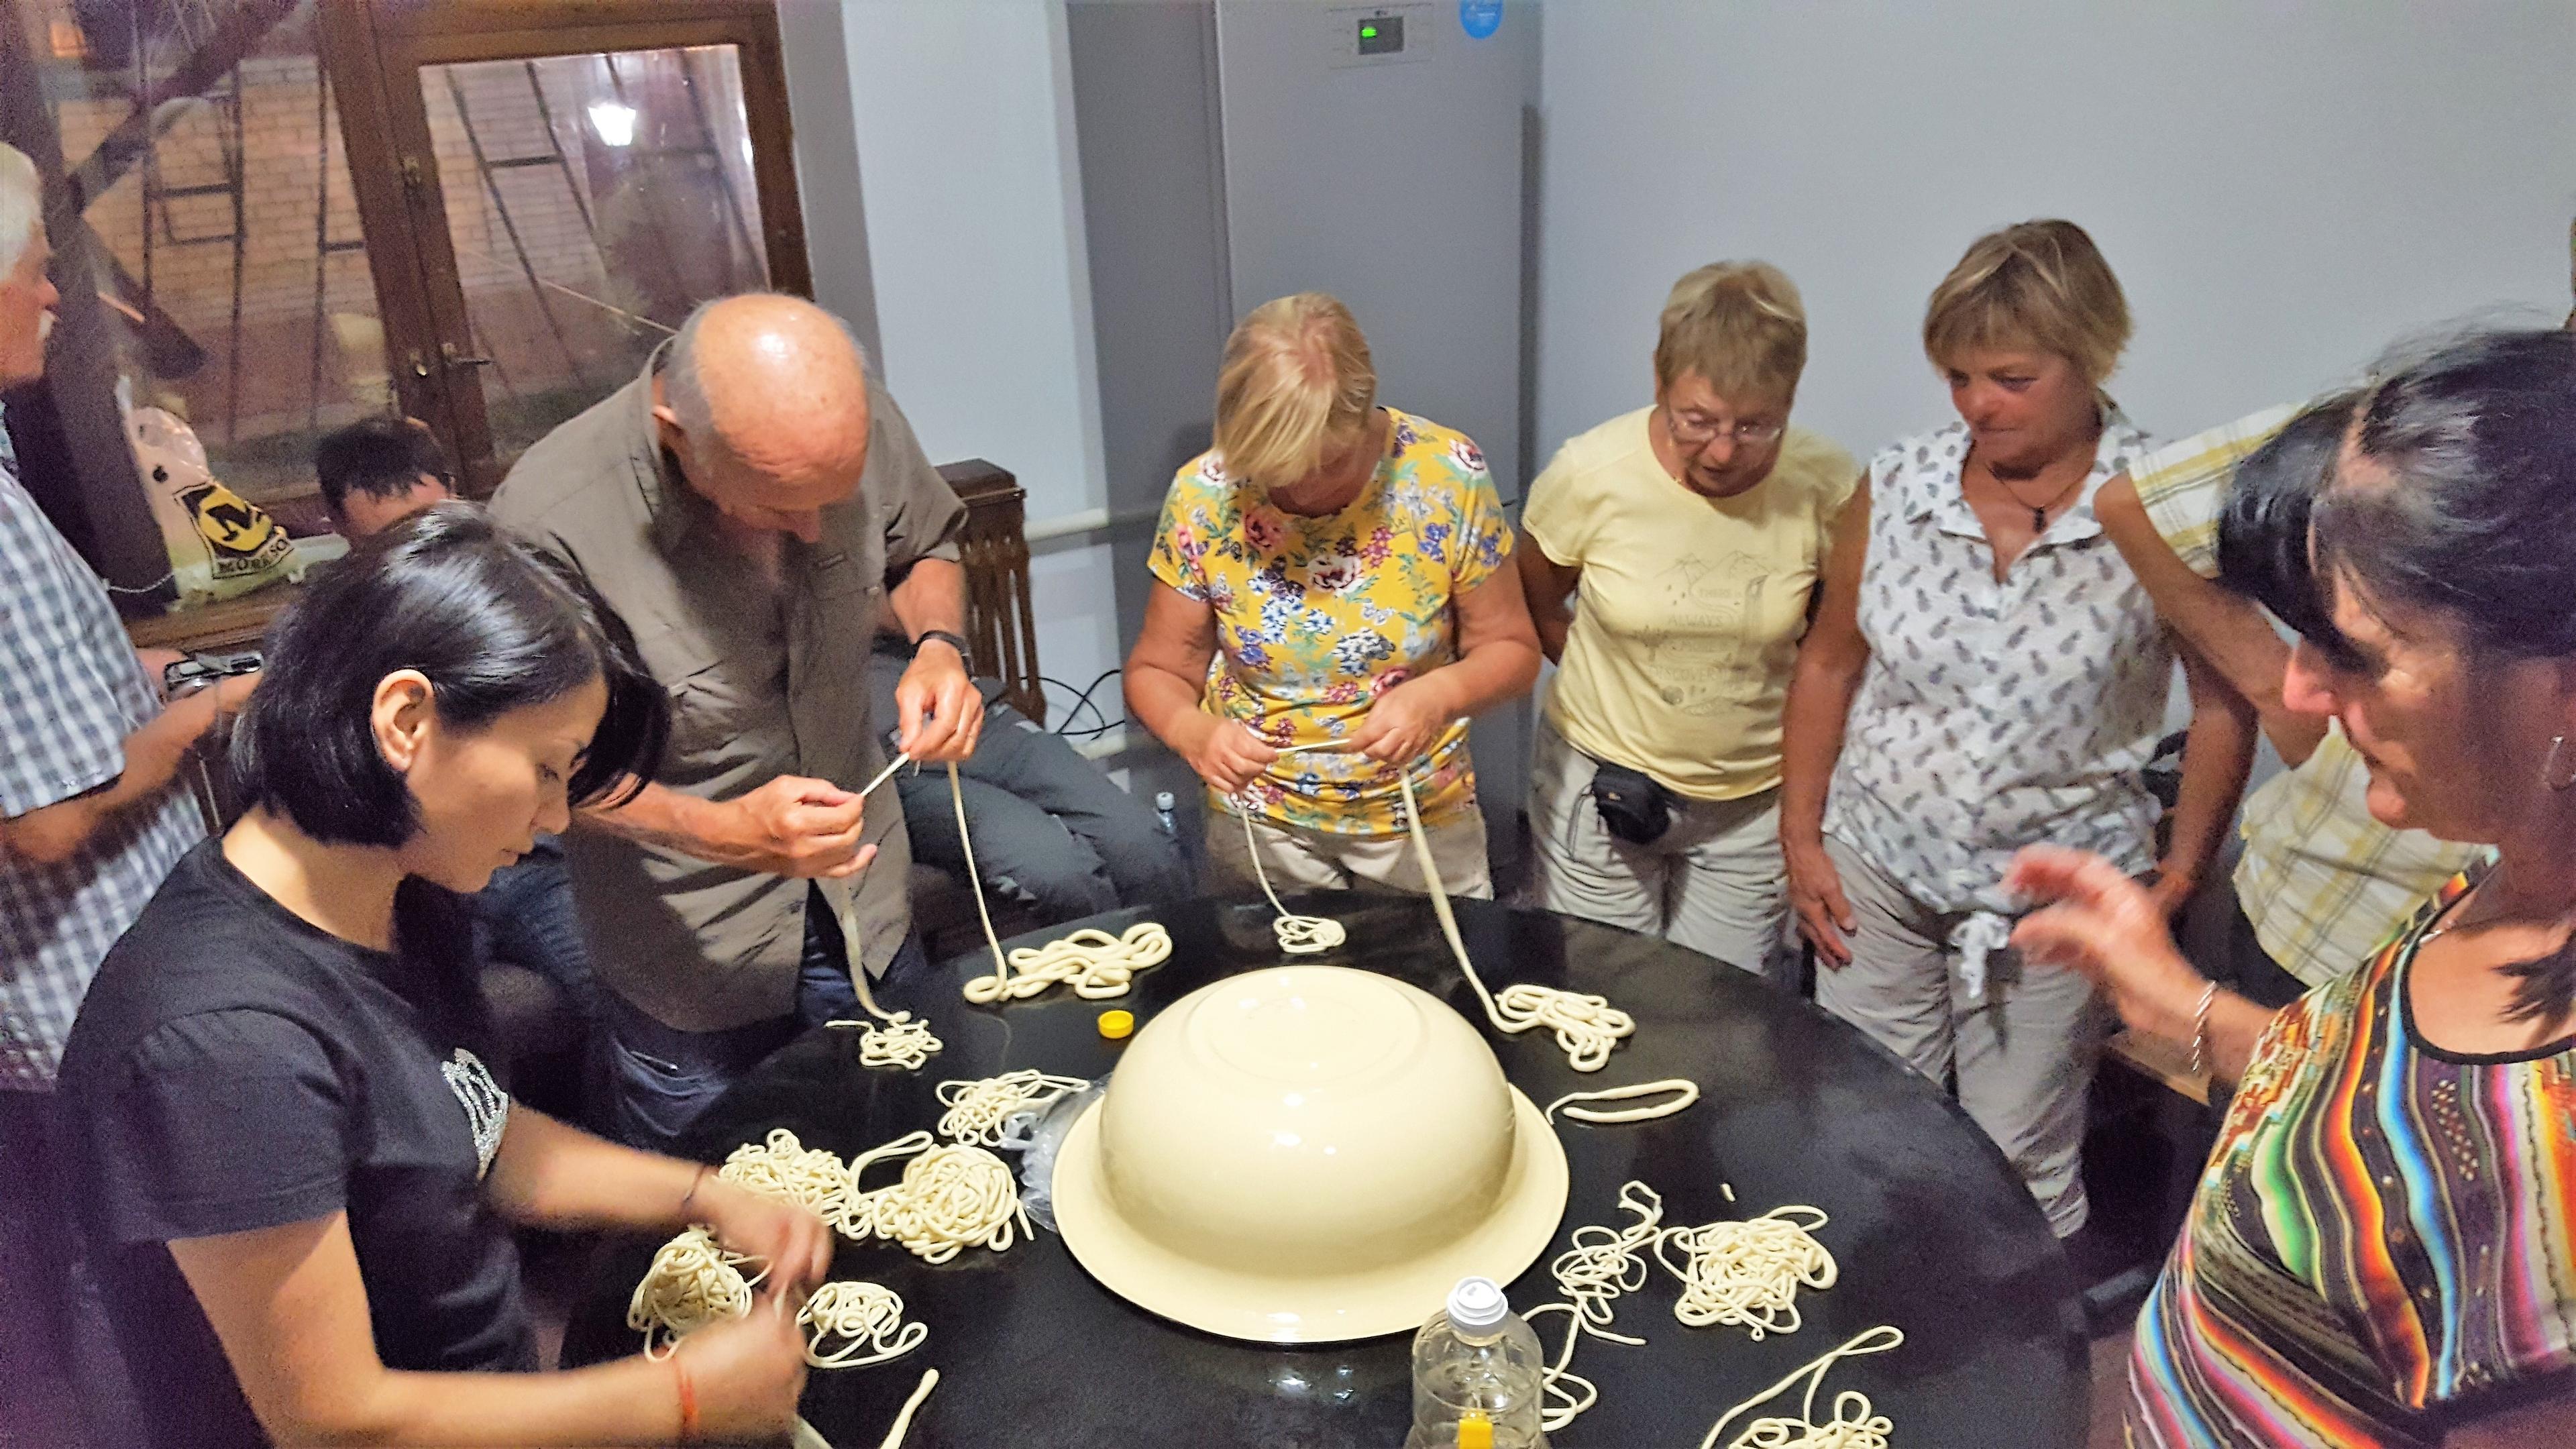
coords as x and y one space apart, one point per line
944 637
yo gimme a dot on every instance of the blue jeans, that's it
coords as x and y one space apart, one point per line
528 909
664 1077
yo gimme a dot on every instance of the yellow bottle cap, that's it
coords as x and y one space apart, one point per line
1117 1025
1475 1431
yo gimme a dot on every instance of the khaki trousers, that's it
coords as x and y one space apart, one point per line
1715 882
2023 1056
1301 859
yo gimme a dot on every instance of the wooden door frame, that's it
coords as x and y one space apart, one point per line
380 46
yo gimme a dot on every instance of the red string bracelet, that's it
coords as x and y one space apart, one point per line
688 1402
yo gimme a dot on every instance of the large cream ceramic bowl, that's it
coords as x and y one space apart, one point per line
1307 1154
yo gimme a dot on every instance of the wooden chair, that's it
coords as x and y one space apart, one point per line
1001 622
1002 644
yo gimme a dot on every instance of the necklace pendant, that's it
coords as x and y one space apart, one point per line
2039 520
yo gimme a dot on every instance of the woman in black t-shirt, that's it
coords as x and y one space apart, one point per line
294 1164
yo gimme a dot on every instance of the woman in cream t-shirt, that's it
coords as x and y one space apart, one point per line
1690 536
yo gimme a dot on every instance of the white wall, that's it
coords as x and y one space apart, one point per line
974 239
2282 186
817 61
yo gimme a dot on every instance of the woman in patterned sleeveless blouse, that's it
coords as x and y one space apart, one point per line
2383 1249
1986 673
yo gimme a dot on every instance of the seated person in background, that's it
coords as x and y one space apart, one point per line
1345 568
373 474
292 1161
2319 883
1049 828
378 471
1696 530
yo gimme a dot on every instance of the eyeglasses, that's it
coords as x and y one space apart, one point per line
1698 430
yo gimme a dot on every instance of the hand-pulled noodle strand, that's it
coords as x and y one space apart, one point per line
975 878
1098 964
1602 1264
1567 1393
693 1281
898 762
903 1418
783 1167
950 1198
1298 935
1588 1028
1683 1090
1855 1424
977 1109
903 1041
1605 1262
868 1315
886 1039
857 1220
1747 1273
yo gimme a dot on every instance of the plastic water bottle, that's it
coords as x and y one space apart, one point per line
1163 803
1476 1369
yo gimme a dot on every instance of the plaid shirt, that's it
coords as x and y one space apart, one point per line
2322 882
71 690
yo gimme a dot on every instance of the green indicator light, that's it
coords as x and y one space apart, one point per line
1368 32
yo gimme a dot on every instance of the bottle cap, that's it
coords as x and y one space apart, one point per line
1477 1304
1117 1025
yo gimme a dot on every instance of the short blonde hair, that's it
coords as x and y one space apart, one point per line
2036 284
1739 325
1297 375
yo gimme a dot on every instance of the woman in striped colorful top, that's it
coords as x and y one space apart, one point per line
2383 1249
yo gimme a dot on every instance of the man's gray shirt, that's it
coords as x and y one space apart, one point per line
765 681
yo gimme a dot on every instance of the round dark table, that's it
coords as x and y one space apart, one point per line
1930 1228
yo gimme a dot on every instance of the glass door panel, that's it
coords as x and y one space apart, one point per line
206 158
591 201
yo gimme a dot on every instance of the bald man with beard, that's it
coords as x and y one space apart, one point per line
752 504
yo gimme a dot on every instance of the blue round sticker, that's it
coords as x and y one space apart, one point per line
1480 18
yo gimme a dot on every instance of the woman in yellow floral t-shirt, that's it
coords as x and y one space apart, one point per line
1331 574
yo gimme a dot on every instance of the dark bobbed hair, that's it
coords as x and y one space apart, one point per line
495 623
2469 505
2467 509
2263 524
382 455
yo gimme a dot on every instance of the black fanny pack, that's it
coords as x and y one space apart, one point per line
1634 806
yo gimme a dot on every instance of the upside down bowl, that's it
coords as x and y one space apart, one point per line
1307 1154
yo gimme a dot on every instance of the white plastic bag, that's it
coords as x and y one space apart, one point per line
1036 1137
220 544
